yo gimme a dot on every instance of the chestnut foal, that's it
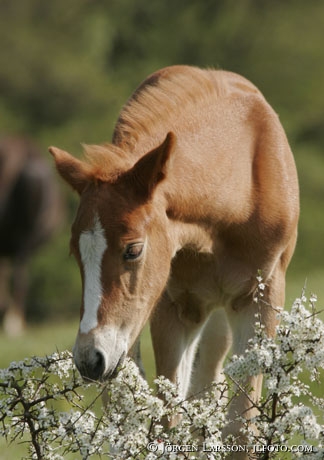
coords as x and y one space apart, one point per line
197 192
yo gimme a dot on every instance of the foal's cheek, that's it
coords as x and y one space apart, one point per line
159 273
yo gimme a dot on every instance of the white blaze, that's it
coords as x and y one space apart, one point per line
92 245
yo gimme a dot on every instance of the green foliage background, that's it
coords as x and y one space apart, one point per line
67 66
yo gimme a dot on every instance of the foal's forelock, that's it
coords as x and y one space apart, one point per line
92 246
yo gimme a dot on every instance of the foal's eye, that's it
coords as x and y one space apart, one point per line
133 251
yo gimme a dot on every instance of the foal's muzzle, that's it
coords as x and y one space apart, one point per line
96 369
98 356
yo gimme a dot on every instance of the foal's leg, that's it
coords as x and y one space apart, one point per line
242 317
135 353
174 342
214 344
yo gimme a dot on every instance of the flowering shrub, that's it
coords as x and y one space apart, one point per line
288 410
130 426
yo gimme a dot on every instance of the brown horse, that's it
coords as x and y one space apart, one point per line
197 192
30 210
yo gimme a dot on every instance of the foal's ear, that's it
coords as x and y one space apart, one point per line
72 170
153 167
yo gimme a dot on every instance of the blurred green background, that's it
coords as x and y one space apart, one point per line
67 67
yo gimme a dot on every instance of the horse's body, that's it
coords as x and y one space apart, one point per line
178 234
30 209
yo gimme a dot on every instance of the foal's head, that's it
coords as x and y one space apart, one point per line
121 244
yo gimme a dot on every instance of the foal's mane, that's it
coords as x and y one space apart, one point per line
154 109
162 99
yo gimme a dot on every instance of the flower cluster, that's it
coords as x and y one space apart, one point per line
288 410
45 401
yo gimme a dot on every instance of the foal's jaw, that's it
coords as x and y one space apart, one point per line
99 353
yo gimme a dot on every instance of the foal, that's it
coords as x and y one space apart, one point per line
197 192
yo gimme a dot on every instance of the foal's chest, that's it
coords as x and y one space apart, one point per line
201 282
195 285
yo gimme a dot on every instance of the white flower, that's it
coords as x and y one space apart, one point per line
133 416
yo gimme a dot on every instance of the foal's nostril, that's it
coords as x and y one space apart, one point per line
93 367
98 366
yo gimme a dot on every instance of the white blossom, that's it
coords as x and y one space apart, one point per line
45 398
